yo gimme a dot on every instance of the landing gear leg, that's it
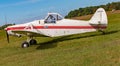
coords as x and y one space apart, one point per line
30 41
103 32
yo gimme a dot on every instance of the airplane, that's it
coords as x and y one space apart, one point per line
55 25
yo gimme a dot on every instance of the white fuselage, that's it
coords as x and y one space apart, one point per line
55 25
60 28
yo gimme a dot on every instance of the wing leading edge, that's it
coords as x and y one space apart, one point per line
29 33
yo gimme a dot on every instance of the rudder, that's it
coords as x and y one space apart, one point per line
99 17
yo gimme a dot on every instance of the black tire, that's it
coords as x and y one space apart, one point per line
25 45
33 42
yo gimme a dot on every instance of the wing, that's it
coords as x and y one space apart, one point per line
29 33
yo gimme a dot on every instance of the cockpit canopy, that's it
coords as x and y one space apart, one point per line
53 17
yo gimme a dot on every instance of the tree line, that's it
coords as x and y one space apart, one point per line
92 9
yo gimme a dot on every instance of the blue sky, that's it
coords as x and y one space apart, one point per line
20 11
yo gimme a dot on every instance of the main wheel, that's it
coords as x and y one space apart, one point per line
32 42
25 45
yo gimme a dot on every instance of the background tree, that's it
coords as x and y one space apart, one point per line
92 9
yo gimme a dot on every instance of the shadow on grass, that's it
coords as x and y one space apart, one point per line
53 43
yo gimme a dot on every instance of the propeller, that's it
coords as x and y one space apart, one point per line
7 36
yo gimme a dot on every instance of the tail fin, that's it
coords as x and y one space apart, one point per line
99 17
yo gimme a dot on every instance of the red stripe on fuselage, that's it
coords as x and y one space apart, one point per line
15 28
57 27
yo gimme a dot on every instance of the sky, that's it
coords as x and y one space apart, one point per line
22 11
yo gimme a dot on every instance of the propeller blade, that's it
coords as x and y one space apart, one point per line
7 36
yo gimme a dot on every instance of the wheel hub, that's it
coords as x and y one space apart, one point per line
25 45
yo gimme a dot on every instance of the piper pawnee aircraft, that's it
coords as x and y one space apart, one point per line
55 25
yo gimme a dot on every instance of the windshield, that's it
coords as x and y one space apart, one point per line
53 17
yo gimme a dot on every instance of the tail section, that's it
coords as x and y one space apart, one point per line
99 18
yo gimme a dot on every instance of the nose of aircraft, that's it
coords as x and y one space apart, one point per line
7 28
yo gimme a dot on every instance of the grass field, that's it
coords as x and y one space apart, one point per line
88 49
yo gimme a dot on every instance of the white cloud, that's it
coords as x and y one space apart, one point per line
20 3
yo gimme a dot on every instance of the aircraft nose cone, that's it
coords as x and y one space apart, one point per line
6 28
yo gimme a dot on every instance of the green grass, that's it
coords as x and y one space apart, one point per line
88 49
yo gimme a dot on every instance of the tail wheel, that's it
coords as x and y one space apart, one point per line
32 42
25 45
